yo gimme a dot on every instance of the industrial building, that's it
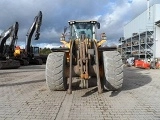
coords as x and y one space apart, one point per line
142 35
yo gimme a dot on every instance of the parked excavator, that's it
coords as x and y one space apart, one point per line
85 58
5 50
13 51
31 54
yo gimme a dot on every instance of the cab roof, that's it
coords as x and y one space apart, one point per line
82 21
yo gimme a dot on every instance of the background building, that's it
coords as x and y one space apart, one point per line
142 35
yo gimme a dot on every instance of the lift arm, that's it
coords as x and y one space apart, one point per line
34 28
10 33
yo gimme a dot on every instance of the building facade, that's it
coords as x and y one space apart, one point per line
142 35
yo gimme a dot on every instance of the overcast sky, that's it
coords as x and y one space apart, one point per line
112 14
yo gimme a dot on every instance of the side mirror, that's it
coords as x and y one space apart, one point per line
62 38
98 25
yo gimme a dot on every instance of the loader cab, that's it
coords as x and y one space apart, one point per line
88 28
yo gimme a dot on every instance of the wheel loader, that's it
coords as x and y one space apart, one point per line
84 57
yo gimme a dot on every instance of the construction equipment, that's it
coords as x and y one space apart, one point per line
149 63
84 57
30 51
17 55
142 63
5 50
154 63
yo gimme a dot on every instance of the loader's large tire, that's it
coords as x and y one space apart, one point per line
54 72
113 70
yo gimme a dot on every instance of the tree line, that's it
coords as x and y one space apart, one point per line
45 51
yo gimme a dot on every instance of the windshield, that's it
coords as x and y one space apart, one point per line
82 28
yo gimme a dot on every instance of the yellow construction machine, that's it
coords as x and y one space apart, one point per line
84 57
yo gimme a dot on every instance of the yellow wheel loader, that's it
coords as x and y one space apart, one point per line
84 57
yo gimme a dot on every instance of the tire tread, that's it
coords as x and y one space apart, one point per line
113 70
54 71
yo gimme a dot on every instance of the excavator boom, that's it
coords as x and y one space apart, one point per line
5 51
30 55
34 28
